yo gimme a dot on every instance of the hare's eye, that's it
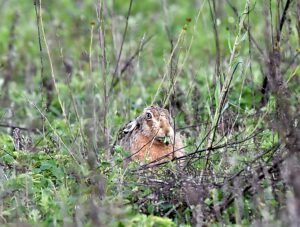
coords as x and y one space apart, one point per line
148 115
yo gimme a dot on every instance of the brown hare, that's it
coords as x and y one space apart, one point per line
151 136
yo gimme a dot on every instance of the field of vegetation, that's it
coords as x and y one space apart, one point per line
74 72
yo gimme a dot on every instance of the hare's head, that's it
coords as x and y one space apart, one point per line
155 123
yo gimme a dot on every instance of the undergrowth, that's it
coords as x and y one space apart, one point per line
74 72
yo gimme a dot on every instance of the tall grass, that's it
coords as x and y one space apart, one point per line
76 71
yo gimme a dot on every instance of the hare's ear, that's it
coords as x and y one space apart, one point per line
132 125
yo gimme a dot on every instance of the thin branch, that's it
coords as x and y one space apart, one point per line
121 48
136 53
39 41
217 41
10 56
283 17
3 125
197 151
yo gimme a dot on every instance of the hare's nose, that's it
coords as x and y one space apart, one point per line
167 132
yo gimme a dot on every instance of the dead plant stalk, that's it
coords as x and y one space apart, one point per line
104 65
50 59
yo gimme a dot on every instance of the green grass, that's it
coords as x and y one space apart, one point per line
68 175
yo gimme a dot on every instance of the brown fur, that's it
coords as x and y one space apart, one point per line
143 136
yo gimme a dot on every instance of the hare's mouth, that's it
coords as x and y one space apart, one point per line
164 139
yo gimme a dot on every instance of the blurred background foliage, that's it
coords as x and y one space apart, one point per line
65 172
